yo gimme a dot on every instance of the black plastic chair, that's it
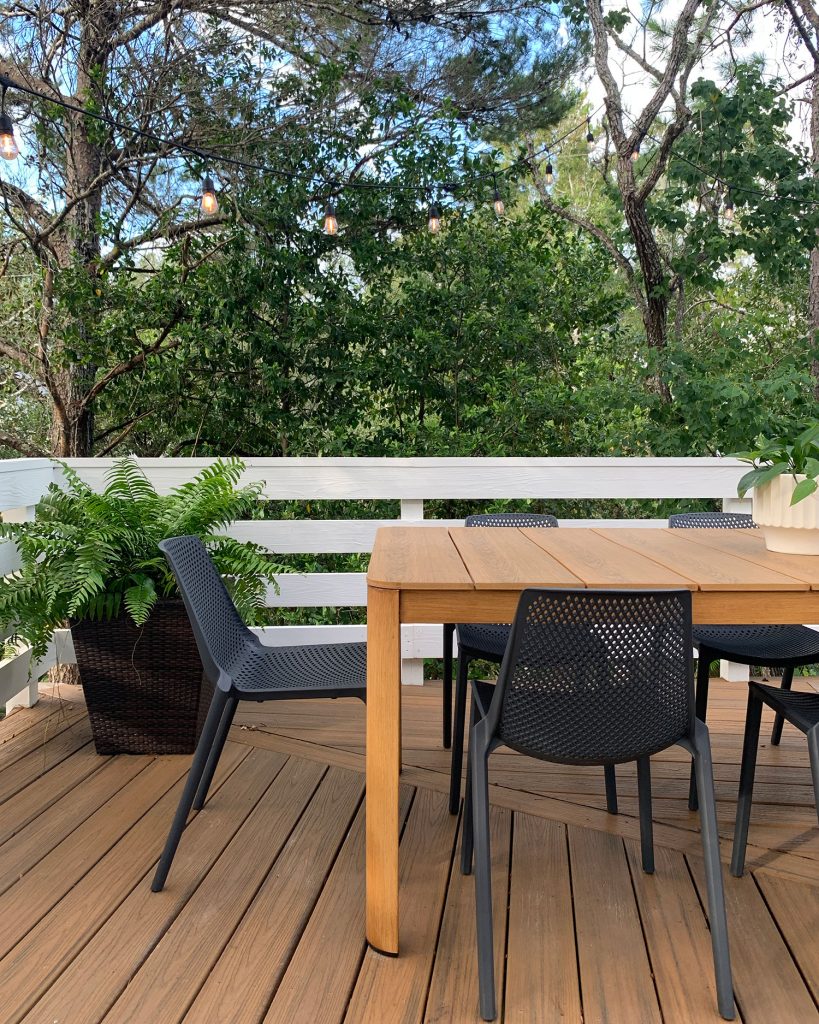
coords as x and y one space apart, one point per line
782 647
593 677
242 668
486 642
802 711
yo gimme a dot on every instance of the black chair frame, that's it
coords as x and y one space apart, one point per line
488 731
242 668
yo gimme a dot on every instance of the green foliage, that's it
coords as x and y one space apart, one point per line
738 135
775 456
89 555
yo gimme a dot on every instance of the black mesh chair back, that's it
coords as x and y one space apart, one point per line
712 520
221 636
519 519
597 676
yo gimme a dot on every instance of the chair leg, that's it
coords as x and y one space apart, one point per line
467 834
446 688
813 754
779 721
646 825
747 770
458 734
483 881
703 667
200 759
611 788
713 872
215 753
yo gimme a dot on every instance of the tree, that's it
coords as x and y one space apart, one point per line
99 205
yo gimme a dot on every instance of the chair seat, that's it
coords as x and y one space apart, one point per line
329 670
761 645
484 640
800 709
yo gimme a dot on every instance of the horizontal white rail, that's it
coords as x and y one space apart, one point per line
409 482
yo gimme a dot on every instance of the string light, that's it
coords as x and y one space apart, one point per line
728 207
635 153
589 135
209 203
497 202
330 220
8 144
434 219
550 173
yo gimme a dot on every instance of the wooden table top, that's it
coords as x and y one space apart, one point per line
461 559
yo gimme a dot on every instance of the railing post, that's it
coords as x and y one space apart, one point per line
412 669
30 694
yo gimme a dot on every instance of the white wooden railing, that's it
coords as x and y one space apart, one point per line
409 481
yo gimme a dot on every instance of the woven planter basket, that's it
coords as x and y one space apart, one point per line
144 686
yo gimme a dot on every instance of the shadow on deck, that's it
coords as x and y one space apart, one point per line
262 918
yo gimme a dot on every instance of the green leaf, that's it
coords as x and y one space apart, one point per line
803 489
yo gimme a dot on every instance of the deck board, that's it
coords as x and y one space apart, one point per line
262 918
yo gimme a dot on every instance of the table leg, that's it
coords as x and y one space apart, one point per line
383 761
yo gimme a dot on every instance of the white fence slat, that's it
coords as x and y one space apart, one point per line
479 478
318 589
23 481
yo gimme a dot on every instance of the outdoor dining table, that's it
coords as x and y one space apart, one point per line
437 574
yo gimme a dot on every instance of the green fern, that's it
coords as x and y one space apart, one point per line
95 556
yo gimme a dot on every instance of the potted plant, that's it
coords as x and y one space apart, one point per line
784 482
91 560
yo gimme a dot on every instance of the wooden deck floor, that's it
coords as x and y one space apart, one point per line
262 919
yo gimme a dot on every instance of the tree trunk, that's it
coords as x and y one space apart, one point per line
72 428
813 289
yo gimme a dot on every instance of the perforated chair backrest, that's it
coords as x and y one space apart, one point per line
592 676
712 521
217 626
510 519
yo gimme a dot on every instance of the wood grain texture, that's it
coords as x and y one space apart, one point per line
750 545
542 983
179 964
713 569
453 993
767 983
614 964
600 562
408 558
505 558
383 763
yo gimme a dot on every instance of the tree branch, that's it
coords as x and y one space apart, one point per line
23 447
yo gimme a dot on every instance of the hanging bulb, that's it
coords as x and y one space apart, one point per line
728 207
635 153
330 221
497 202
589 135
8 144
550 174
208 202
434 219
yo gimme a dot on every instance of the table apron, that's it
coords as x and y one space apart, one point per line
709 607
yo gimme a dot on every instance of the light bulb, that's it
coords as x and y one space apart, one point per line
550 174
635 153
8 144
497 202
434 219
728 207
330 221
589 134
208 202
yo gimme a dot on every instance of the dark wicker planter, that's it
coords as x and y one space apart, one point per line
144 686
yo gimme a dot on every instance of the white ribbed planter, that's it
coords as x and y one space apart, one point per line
790 528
